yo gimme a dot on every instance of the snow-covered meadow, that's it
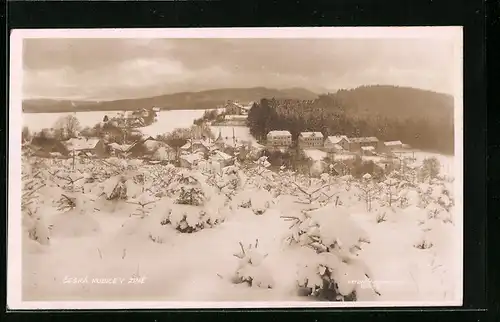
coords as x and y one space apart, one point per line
121 230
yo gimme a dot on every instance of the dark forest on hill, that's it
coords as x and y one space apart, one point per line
422 119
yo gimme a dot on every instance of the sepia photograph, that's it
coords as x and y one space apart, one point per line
235 168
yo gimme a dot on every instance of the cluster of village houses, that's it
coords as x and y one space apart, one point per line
367 146
222 150
147 148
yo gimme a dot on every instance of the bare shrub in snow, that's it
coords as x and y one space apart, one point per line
423 244
369 191
390 190
33 222
381 217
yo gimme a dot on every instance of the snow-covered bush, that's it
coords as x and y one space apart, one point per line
250 268
332 271
188 189
154 226
115 188
195 204
190 219
77 221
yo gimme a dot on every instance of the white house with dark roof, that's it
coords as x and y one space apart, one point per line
279 138
311 140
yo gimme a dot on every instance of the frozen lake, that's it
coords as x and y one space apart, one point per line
167 120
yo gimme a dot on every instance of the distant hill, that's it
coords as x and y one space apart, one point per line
209 99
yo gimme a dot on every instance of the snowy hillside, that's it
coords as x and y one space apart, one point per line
132 232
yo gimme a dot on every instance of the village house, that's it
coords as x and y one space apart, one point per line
355 144
90 147
393 145
118 150
236 108
42 146
224 159
198 145
146 147
279 138
233 108
310 140
336 143
189 161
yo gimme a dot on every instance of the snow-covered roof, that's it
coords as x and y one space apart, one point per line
390 143
311 134
205 143
368 148
81 143
152 145
221 155
279 133
364 139
119 147
191 157
337 138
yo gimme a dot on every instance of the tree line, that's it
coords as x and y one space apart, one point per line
331 115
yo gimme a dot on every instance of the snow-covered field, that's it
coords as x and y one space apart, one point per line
316 155
167 120
399 244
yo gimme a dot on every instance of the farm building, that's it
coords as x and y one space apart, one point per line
236 108
198 145
355 144
279 138
334 142
233 108
44 146
87 147
223 158
393 145
190 160
147 147
311 140
116 149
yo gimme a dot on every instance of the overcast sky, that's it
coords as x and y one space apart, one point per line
123 68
